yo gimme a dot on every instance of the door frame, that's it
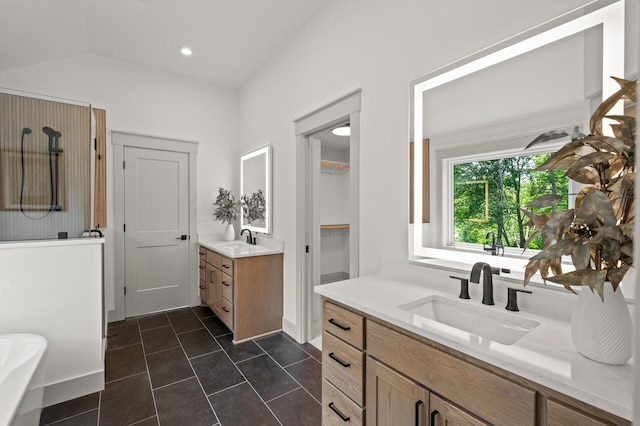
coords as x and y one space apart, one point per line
345 108
121 140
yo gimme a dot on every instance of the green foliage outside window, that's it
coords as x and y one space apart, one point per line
511 182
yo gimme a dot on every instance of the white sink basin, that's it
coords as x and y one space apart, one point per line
481 321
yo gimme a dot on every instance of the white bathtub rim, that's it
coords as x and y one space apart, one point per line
13 387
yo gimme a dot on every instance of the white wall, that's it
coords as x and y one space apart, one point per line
141 100
379 46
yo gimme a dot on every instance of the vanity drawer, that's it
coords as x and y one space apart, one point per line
203 290
213 258
343 365
227 265
202 268
343 323
334 402
227 286
226 313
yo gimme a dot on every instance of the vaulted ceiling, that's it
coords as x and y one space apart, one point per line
231 39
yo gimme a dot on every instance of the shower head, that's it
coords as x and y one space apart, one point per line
49 132
26 131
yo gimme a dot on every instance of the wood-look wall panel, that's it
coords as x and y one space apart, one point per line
38 220
100 195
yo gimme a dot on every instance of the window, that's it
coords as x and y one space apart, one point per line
488 195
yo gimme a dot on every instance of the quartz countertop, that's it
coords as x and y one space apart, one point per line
545 355
238 248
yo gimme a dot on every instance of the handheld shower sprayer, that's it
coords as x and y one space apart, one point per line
54 148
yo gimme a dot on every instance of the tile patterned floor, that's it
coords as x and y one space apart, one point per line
181 368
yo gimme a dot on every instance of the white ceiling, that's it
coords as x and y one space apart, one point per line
231 39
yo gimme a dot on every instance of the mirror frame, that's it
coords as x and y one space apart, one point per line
610 16
267 151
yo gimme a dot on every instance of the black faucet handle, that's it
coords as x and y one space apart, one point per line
464 287
512 298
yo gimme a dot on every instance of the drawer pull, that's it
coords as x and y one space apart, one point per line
335 410
418 404
225 283
434 413
333 357
342 327
225 266
224 308
202 287
201 267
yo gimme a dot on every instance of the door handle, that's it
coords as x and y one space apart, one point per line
182 237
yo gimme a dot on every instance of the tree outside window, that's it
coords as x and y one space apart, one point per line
494 206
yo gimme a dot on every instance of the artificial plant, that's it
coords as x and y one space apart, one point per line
598 232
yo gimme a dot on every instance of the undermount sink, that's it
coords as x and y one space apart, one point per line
480 321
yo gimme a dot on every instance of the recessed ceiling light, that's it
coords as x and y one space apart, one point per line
186 51
342 130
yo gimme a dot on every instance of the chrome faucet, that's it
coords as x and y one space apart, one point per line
250 239
487 281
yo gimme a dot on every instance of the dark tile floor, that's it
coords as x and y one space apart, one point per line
181 368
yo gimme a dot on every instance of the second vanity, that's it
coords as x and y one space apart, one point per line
389 359
242 284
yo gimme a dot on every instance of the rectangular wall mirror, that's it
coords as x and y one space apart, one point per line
255 190
549 78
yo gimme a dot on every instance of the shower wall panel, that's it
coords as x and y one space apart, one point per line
43 190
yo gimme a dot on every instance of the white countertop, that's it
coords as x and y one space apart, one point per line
50 243
545 355
238 248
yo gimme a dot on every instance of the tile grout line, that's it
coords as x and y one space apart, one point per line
195 374
144 420
153 396
71 417
286 372
100 401
249 383
284 394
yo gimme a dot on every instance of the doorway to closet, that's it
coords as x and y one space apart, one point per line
328 206
330 210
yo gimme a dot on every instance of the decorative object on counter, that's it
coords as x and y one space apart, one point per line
598 232
253 207
227 210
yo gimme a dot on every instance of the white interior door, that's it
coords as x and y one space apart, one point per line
156 230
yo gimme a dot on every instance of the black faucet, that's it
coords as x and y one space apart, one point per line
495 247
487 281
250 239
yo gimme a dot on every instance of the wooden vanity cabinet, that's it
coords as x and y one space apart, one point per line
393 399
343 366
411 380
559 414
245 293
203 275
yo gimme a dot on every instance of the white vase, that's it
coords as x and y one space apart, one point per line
230 233
602 331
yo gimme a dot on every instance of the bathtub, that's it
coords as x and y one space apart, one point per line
21 378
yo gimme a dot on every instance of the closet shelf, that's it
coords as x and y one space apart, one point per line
337 226
334 166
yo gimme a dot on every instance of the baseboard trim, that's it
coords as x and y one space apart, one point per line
56 393
292 330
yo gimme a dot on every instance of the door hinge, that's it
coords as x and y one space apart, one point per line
306 249
124 227
123 164
95 144
125 290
